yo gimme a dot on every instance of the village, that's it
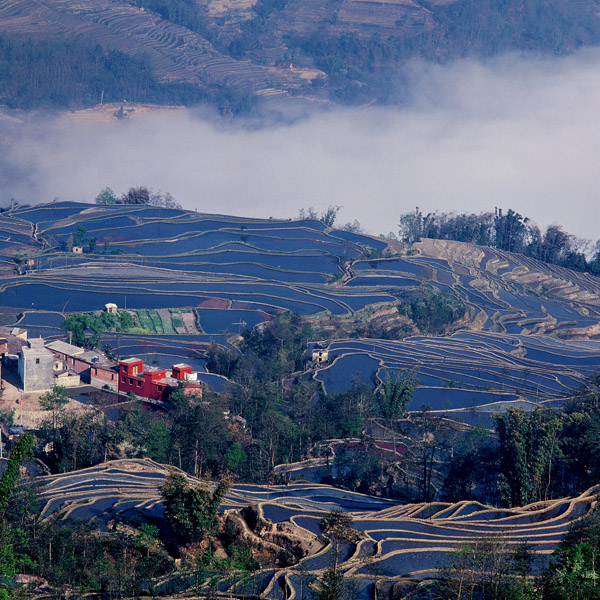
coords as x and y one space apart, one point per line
31 367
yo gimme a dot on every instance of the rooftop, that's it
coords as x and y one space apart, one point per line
130 361
107 365
181 366
65 348
88 355
35 352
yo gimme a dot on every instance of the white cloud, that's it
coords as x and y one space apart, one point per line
517 132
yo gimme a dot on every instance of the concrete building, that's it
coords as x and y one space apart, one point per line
320 355
35 364
104 374
68 354
93 367
19 333
111 308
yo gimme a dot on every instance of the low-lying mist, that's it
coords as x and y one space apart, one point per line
517 132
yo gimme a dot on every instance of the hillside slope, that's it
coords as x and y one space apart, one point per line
534 328
280 50
395 541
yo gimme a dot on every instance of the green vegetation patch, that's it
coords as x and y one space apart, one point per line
146 320
166 321
176 319
434 314
156 321
87 328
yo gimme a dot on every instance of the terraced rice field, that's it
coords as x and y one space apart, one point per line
469 370
285 265
172 259
177 53
410 540
227 273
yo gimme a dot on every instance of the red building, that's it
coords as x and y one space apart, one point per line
153 382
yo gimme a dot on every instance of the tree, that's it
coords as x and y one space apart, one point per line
473 469
191 509
106 196
136 195
396 393
157 442
428 427
510 230
526 443
79 235
410 226
337 526
164 200
574 570
330 215
353 227
434 313
8 558
76 325
55 401
487 568
331 585
308 213
22 450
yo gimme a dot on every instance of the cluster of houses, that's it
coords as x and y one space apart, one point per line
41 365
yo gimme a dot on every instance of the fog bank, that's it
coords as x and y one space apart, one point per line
517 132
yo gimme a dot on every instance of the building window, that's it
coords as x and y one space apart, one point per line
37 361
139 384
123 379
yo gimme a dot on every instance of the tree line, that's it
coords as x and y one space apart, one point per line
63 73
358 64
533 456
68 74
138 195
508 231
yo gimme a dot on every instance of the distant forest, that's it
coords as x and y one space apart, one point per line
508 231
67 74
357 66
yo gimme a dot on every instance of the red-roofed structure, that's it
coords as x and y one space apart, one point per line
156 383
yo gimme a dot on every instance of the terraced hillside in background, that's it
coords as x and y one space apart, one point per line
176 53
284 50
534 327
395 541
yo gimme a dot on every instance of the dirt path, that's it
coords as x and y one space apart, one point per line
26 405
